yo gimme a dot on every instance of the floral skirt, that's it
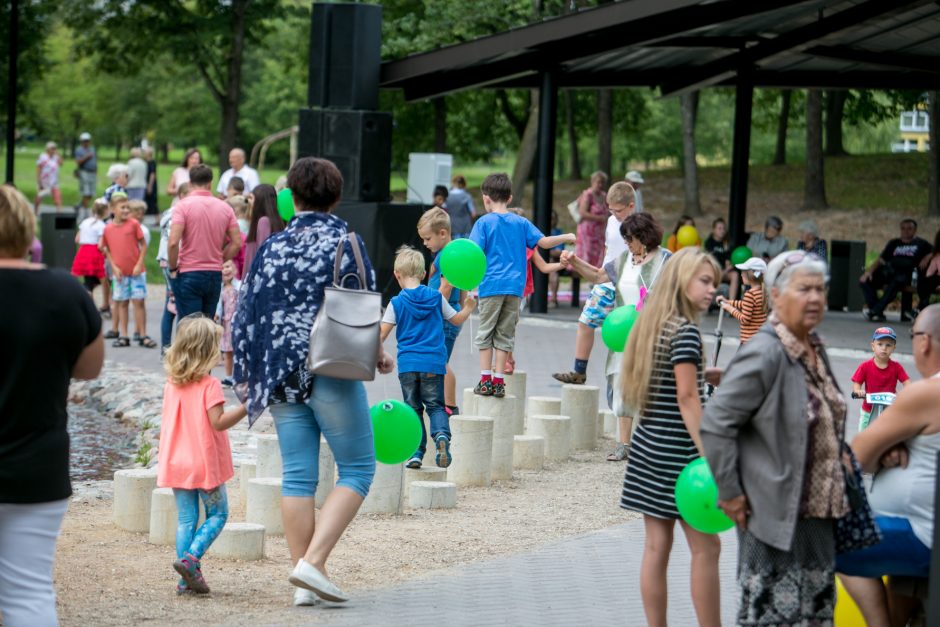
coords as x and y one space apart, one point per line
795 587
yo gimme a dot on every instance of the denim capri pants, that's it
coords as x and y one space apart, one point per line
339 411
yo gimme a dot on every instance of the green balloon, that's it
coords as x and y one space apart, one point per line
396 429
463 264
617 327
697 499
285 204
741 254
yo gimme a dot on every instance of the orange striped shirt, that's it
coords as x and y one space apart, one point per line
749 311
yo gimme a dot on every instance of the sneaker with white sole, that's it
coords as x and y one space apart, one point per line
443 451
304 597
308 576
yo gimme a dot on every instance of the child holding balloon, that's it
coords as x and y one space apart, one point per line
504 238
417 314
663 377
688 237
195 458
434 231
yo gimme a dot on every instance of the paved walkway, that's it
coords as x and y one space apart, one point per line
590 579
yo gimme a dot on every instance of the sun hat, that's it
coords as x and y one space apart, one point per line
51 145
634 177
884 332
84 137
755 264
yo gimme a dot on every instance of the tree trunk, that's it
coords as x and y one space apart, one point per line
835 108
605 123
165 152
575 174
814 192
688 104
440 124
230 100
933 156
528 146
780 154
117 150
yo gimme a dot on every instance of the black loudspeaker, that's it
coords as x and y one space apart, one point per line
846 264
383 227
345 56
358 142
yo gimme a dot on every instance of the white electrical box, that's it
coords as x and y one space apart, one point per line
425 171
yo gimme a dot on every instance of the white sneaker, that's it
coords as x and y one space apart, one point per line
307 576
304 597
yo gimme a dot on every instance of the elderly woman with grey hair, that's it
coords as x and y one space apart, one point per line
772 435
810 240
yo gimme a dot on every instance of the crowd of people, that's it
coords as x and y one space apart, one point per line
243 284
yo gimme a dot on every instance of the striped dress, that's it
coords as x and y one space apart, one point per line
750 312
661 446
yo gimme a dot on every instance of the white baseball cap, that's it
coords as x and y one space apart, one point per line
755 264
84 137
634 177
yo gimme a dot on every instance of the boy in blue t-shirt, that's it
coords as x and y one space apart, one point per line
434 231
419 312
504 237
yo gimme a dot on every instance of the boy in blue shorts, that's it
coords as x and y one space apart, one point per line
418 314
434 231
504 237
621 202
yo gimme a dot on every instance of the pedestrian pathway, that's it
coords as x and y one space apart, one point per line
591 579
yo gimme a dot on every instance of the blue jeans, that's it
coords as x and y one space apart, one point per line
900 553
339 410
188 538
425 391
451 331
197 291
166 323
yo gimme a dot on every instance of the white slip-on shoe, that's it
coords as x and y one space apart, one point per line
304 597
307 576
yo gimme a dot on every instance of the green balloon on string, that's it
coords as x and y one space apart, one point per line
463 264
285 204
396 429
741 254
697 499
617 326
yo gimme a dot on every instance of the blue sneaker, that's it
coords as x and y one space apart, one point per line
443 457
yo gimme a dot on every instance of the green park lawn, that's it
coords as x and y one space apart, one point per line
868 194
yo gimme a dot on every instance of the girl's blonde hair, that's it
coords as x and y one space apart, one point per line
17 223
667 299
758 284
195 350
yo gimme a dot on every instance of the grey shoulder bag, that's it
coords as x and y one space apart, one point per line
345 340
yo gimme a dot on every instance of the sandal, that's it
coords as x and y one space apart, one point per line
121 342
110 335
146 342
620 453
105 312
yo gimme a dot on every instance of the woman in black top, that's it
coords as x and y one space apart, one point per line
50 332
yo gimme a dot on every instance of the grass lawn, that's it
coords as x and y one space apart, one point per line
868 195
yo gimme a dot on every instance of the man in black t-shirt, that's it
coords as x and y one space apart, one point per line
893 271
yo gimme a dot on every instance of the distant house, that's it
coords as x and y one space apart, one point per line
915 129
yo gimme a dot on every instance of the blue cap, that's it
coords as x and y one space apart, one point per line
884 332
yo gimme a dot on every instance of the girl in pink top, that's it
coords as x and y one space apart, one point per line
194 456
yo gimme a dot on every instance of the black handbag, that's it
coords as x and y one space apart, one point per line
856 530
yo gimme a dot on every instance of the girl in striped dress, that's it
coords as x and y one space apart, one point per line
663 376
751 310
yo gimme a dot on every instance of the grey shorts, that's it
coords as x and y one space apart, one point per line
498 318
87 182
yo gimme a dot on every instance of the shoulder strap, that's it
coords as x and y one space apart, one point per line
357 254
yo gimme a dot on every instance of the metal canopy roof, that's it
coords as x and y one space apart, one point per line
682 45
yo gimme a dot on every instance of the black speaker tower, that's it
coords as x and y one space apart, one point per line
341 123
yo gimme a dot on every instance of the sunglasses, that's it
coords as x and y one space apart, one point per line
796 258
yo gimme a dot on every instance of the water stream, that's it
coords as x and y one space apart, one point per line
100 444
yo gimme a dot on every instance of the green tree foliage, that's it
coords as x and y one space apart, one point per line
35 21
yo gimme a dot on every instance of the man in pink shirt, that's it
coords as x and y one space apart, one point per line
204 234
